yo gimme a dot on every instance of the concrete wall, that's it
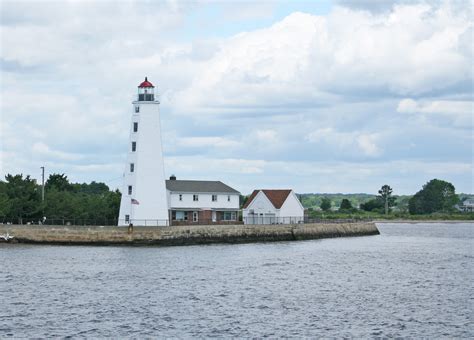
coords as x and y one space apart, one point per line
184 235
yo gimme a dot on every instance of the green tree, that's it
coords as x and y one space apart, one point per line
62 204
385 194
325 204
4 200
375 204
58 182
242 200
435 196
346 205
24 197
95 188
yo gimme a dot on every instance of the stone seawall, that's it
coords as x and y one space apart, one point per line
183 235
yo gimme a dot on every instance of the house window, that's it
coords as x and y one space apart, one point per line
135 126
195 216
180 197
132 167
228 198
134 146
229 215
127 218
180 215
129 189
137 109
195 198
214 198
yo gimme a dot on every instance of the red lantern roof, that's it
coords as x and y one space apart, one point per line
146 83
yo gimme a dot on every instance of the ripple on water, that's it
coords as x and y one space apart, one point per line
411 281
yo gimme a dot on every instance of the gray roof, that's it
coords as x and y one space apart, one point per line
199 186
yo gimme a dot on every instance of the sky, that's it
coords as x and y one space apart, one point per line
338 96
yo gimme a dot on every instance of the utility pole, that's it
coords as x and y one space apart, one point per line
43 218
42 184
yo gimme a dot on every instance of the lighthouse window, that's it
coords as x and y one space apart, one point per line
134 146
127 218
137 109
135 127
132 167
129 189
195 198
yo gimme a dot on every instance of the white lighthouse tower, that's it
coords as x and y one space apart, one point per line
144 200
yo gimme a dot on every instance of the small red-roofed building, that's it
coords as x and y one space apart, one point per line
273 206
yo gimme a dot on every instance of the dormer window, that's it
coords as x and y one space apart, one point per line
214 198
195 198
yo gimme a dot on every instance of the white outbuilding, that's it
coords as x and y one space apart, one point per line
273 207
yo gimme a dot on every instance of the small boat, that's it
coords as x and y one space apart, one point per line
6 238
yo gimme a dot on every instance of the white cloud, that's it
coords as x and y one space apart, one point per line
414 49
41 150
267 136
203 142
200 166
318 176
460 113
367 144
261 106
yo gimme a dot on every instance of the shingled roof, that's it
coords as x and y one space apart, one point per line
199 186
276 197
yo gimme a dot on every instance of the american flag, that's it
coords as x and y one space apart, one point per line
134 201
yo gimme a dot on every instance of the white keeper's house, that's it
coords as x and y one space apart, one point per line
201 202
273 207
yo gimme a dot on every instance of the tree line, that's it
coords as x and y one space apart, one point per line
436 196
92 203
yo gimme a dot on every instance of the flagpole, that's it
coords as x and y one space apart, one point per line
131 210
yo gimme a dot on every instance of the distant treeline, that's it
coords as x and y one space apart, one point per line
94 203
21 200
435 197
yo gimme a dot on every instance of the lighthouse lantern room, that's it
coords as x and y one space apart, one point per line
144 200
146 91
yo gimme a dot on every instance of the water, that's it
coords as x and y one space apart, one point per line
411 281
